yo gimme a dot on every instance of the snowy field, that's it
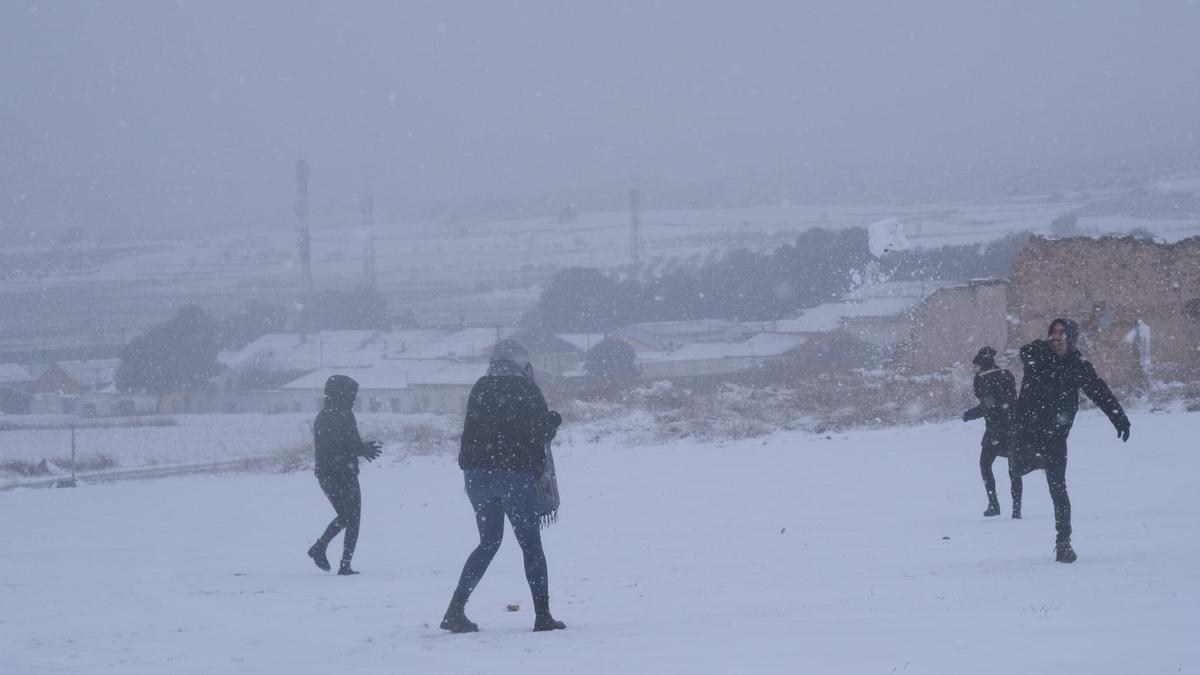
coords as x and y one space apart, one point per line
860 552
195 440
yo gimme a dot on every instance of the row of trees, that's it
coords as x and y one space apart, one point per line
181 352
749 286
743 285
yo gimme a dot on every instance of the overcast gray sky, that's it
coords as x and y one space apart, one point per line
127 115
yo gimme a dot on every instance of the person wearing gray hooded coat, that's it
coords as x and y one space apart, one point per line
502 454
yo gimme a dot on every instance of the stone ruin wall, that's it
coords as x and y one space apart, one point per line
1107 285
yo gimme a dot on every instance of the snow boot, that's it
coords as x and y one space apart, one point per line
1016 511
1063 552
344 569
456 620
993 509
543 621
317 553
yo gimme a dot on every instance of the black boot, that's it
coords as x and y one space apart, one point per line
456 620
542 619
1016 512
344 569
317 553
1063 552
993 509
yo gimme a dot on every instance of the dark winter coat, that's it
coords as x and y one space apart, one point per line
335 437
507 425
996 390
1045 409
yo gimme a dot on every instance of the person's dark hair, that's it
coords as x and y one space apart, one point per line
985 359
1071 328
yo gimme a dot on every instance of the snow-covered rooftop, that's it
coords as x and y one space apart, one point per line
396 374
761 345
469 343
11 372
294 351
92 372
403 342
828 317
582 341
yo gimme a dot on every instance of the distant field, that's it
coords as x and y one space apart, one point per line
478 273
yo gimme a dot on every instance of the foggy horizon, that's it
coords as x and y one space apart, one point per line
136 118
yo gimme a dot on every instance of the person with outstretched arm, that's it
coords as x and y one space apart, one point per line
1055 373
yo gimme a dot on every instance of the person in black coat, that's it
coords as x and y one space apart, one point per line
338 446
1055 372
996 389
502 453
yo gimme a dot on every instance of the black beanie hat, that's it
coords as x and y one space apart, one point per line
985 359
1069 326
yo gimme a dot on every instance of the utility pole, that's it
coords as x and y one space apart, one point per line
367 205
306 282
635 227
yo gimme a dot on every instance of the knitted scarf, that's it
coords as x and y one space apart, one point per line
547 487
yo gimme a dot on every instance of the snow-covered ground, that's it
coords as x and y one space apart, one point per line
860 552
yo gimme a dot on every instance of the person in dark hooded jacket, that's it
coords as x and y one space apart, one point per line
1055 372
503 451
996 389
338 446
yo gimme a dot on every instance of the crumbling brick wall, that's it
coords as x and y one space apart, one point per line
1107 285
952 324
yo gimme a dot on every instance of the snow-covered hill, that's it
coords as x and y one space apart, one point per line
859 552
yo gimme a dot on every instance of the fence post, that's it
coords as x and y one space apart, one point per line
71 482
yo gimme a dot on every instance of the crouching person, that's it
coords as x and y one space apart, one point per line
503 452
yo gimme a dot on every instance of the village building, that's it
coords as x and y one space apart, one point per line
78 387
948 328
16 393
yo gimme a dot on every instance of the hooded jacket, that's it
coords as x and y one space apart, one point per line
508 422
335 431
996 390
1049 398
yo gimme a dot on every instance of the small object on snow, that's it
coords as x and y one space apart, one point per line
945 538
782 530
513 607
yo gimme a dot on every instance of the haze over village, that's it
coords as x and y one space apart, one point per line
757 257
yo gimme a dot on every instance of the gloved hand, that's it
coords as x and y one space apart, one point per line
966 416
1122 426
555 418
371 450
